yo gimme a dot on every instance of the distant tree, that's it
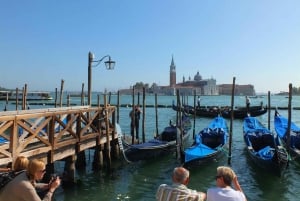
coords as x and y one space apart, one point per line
139 85
296 91
154 86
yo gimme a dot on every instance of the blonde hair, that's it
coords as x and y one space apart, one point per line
21 163
34 166
227 173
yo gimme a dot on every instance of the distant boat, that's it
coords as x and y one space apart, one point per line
208 144
214 111
33 95
264 147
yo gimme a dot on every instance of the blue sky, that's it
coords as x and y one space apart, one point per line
43 41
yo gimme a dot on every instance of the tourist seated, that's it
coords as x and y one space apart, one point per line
179 190
23 186
224 189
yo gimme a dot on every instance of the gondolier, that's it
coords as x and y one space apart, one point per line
248 103
135 120
198 102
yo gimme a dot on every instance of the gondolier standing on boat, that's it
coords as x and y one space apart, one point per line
198 102
248 103
135 121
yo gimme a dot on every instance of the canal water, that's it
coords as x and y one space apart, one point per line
139 181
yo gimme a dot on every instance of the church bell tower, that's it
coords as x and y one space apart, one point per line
172 73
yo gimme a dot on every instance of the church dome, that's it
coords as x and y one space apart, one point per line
197 77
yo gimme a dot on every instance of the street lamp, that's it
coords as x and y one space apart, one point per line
110 65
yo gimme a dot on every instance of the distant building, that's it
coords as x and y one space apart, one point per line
246 90
197 85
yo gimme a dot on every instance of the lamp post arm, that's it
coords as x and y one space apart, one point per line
99 61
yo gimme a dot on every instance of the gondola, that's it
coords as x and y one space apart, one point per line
214 111
281 126
264 147
209 143
165 143
241 113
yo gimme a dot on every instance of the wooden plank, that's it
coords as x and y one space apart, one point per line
63 153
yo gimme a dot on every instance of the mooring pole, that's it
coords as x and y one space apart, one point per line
118 107
194 127
132 118
144 115
289 118
231 120
269 110
156 115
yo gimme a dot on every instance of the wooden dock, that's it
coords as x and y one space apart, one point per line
57 133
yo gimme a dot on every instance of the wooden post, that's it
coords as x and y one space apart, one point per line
231 120
17 100
98 101
114 139
69 170
269 110
109 97
82 94
81 160
118 107
50 163
68 100
132 118
179 139
55 100
144 115
98 157
25 96
156 116
6 104
289 118
107 134
61 92
194 127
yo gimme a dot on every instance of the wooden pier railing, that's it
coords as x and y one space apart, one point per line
55 133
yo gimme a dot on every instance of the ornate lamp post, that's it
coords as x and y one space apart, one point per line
110 65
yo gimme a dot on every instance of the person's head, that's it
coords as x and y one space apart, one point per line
36 169
181 175
21 163
224 176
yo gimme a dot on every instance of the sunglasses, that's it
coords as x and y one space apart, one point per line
42 171
217 177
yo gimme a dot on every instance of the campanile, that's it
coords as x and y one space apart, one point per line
172 73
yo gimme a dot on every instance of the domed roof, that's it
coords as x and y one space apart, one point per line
197 77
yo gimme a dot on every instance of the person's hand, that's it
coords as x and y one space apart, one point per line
54 184
236 183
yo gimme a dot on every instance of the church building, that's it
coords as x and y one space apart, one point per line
187 87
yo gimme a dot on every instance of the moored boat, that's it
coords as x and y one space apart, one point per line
281 127
264 147
165 143
209 143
